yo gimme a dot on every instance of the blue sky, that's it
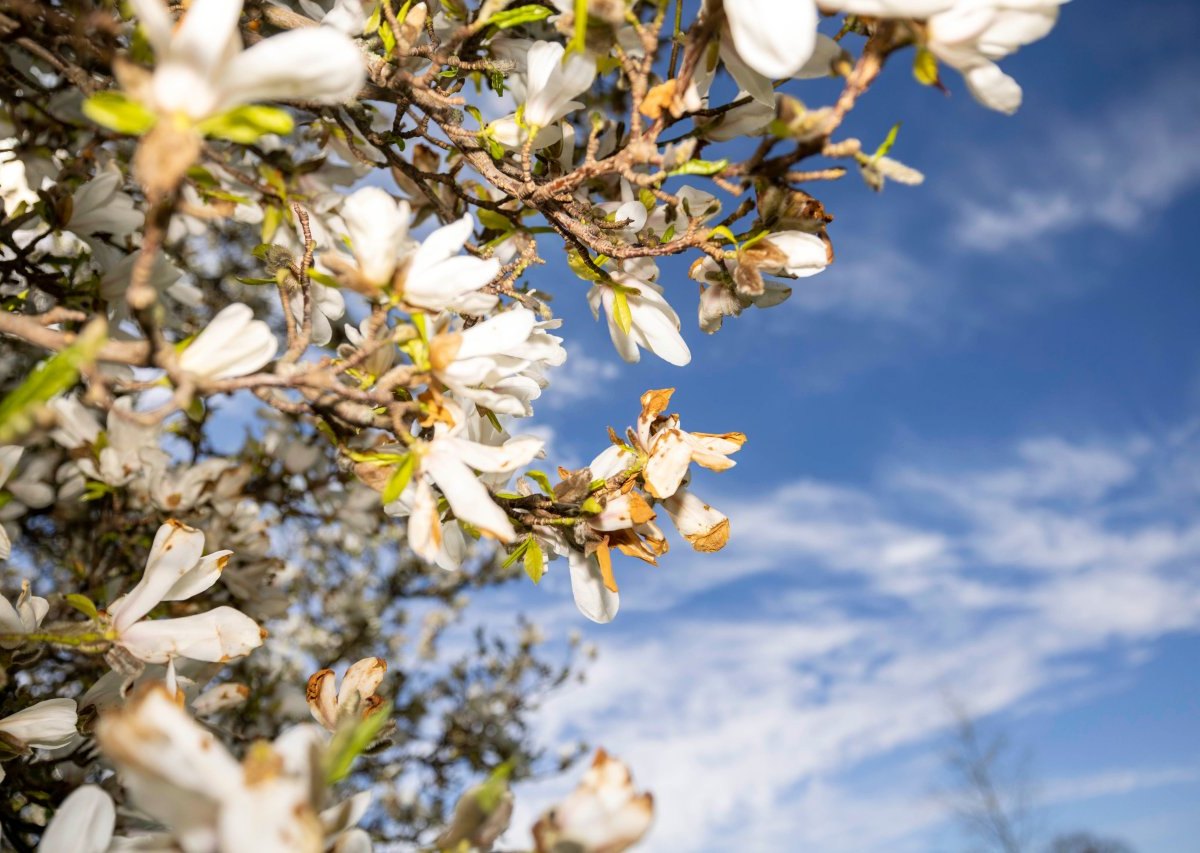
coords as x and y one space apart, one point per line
971 473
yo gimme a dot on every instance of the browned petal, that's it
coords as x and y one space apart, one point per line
639 511
713 539
658 99
655 402
443 349
604 557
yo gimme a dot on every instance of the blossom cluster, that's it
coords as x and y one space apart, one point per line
272 332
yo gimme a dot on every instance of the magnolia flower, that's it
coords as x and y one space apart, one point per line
496 363
83 823
749 119
740 283
175 571
671 450
970 37
47 725
639 315
765 40
356 698
101 207
550 86
594 597
25 618
551 83
202 71
377 228
447 462
327 304
233 344
180 775
432 276
603 815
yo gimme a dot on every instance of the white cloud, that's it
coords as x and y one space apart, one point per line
581 377
875 609
1112 171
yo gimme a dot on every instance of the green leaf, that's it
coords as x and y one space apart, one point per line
399 479
888 142
533 560
387 37
272 219
578 43
117 111
54 376
520 15
722 231
925 68
622 316
579 267
706 168
494 221
516 554
248 123
350 741
489 794
83 604
542 480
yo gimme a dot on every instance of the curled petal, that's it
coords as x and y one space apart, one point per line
216 636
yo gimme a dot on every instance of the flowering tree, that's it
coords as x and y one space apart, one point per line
327 219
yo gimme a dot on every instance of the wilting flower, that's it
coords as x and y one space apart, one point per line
202 71
603 815
47 725
233 344
671 450
83 823
356 698
706 528
638 314
25 618
176 571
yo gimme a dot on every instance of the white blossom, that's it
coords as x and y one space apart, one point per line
83 823
201 69
603 815
653 324
497 364
175 571
25 617
232 344
48 724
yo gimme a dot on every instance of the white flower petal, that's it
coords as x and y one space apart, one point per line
314 64
47 725
592 597
83 823
176 551
216 636
468 498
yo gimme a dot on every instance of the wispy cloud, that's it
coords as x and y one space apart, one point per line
1112 171
867 610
